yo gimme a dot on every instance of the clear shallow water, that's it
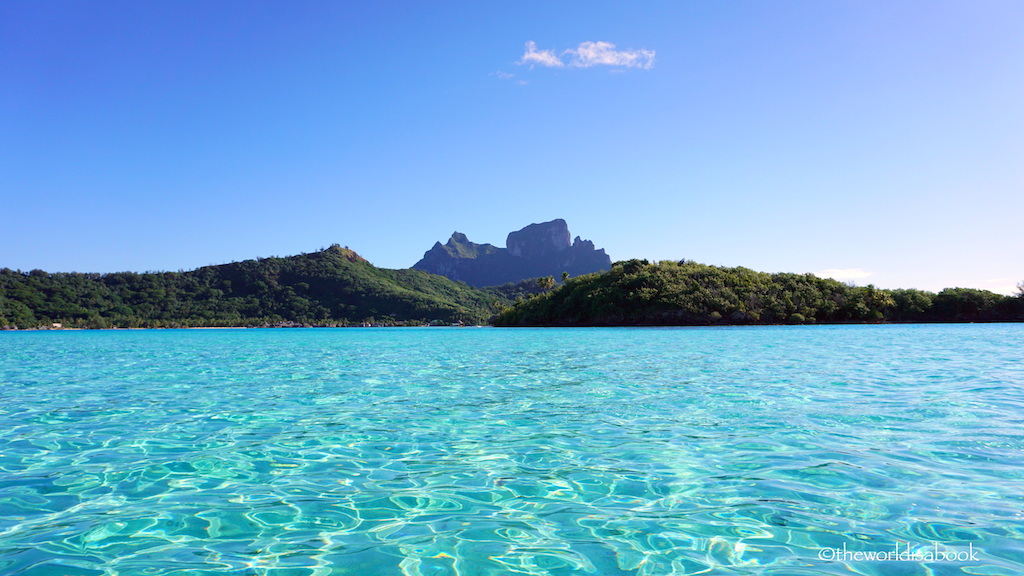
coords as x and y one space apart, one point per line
515 451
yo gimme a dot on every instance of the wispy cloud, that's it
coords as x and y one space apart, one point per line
502 75
540 57
1005 286
588 55
845 273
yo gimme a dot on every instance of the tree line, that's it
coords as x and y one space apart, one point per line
336 287
331 287
637 292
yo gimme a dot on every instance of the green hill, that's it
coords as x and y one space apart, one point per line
637 292
330 287
336 287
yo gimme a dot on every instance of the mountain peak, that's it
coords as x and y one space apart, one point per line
542 249
539 240
346 252
458 238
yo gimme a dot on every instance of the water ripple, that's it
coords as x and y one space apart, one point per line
466 452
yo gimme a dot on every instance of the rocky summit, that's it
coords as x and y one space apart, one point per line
536 250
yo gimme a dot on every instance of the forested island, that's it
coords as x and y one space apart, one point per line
337 287
330 287
669 293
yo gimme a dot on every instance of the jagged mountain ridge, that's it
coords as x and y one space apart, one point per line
537 250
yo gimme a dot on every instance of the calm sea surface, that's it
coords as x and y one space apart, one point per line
444 451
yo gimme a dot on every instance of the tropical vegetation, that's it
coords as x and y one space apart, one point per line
331 287
337 287
637 292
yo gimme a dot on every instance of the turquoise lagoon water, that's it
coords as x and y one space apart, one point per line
776 450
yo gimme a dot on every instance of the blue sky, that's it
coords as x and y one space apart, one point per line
878 142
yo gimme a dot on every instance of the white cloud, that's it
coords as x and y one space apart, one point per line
845 273
540 57
502 75
587 55
1005 286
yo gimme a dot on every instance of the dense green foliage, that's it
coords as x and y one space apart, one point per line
637 292
326 288
336 287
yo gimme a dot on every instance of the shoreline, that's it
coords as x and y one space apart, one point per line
895 323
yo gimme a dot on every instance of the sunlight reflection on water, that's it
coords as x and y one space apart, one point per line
510 451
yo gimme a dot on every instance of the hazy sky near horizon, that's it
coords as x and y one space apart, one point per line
878 142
